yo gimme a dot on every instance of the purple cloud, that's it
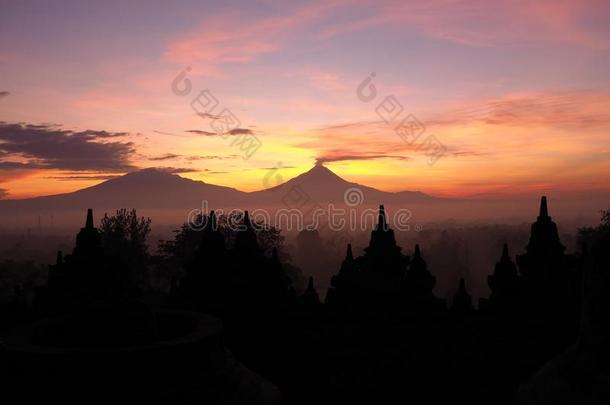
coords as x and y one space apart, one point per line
51 147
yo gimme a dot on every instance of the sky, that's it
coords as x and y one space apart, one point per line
452 98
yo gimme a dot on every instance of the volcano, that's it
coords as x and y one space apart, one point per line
320 184
156 190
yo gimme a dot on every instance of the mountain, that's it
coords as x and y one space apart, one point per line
148 188
320 184
153 189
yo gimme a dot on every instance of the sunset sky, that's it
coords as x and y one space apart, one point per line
516 93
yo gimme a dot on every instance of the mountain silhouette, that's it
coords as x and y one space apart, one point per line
320 184
147 188
156 189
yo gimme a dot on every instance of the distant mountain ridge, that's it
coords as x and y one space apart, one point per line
157 189
320 184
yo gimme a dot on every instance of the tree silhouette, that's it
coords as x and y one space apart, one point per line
125 228
123 237
589 235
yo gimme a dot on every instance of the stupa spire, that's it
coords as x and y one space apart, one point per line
505 252
349 255
246 239
381 221
247 222
544 211
417 254
212 223
462 301
89 221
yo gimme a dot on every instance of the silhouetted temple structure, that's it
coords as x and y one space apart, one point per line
550 280
98 345
310 296
544 293
461 305
505 284
418 272
344 286
383 257
234 282
206 278
88 241
383 280
381 333
79 278
581 374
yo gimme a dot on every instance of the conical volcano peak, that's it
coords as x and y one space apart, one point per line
319 170
322 179
320 184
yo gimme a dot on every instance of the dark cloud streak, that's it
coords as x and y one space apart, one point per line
200 132
51 147
176 170
235 131
77 177
240 131
167 156
210 157
339 157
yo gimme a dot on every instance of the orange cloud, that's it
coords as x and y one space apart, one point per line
519 143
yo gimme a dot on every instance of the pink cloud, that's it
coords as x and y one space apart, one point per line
327 81
490 23
577 109
235 37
